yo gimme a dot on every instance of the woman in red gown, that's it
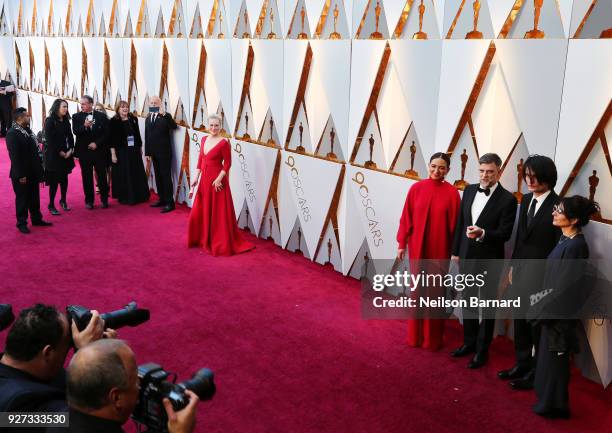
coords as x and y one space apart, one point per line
212 221
427 228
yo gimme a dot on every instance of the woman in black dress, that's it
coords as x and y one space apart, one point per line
59 149
129 182
563 288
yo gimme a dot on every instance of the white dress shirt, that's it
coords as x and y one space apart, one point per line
480 201
539 200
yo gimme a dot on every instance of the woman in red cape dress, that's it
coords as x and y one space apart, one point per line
427 227
212 221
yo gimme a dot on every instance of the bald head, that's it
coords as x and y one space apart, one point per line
155 101
96 371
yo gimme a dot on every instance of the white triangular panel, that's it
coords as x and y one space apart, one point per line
379 199
350 230
295 55
600 342
178 76
421 85
536 100
365 61
393 12
465 146
312 197
565 10
267 82
329 250
240 51
499 10
218 83
314 8
255 165
286 205
461 63
511 177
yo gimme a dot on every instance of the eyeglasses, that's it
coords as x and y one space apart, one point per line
558 209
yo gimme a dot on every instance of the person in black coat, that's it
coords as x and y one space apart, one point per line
7 95
158 148
129 182
563 287
484 225
26 171
59 150
91 129
536 237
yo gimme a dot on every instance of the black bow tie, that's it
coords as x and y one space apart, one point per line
486 191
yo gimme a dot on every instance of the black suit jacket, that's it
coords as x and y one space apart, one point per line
25 159
158 136
21 392
6 101
96 134
58 138
497 219
116 135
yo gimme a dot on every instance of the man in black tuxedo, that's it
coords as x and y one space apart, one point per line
484 225
26 171
536 237
158 148
7 93
91 130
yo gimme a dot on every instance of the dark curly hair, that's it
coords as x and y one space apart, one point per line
54 110
580 208
35 328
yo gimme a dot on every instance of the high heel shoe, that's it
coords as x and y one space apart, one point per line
53 210
64 205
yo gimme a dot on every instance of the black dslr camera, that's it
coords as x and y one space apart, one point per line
130 315
154 387
6 316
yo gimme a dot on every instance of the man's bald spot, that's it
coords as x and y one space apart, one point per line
95 369
155 99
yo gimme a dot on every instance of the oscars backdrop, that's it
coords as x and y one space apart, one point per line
333 107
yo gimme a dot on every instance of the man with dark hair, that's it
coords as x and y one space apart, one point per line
26 171
102 389
536 237
31 375
7 95
91 129
484 225
158 149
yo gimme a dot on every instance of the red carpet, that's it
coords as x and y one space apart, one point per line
283 335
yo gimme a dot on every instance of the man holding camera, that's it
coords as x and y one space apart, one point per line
31 374
103 390
90 128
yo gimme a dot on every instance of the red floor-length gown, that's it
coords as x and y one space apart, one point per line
212 221
427 227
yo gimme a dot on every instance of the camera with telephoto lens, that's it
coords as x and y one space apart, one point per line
6 316
154 387
130 315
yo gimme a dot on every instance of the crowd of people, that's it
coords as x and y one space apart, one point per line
436 224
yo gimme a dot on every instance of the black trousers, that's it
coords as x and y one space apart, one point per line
6 119
87 167
27 200
478 335
163 179
525 337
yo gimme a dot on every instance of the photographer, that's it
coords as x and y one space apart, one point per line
31 374
103 388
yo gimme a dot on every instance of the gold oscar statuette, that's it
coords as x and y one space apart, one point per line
412 173
271 35
606 34
420 34
536 33
202 125
332 138
220 35
302 34
377 10
366 262
301 148
335 34
475 34
369 163
519 181
222 114
271 141
246 136
329 250
270 224
246 226
461 184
